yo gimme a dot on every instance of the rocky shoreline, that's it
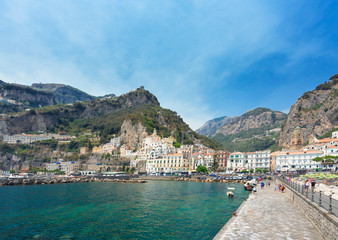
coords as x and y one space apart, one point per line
33 181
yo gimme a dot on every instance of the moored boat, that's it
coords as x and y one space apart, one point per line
249 185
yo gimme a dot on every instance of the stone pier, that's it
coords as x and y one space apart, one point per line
268 215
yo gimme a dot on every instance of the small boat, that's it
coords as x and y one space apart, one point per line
230 194
231 188
249 185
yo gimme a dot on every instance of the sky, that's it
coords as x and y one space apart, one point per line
202 59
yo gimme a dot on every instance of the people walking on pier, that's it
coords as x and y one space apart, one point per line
313 184
307 184
254 190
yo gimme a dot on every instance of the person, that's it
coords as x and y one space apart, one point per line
313 183
262 185
307 185
283 188
254 189
269 184
276 187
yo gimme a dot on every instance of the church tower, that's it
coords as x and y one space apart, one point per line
154 132
297 139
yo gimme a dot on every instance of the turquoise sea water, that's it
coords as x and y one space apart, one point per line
154 210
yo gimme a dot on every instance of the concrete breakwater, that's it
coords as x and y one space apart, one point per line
31 181
197 179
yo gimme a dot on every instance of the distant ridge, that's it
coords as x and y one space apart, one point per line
211 126
18 97
64 93
256 129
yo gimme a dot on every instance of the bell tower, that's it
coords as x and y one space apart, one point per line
297 139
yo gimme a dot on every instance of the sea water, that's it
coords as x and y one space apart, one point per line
152 210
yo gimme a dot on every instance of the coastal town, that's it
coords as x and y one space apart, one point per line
159 156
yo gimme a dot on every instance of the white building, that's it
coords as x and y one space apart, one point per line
205 160
259 159
108 147
237 162
153 147
299 160
67 167
52 166
332 151
25 138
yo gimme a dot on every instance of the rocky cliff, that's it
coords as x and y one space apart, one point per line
252 119
316 112
211 126
133 134
16 98
43 119
257 129
25 96
64 94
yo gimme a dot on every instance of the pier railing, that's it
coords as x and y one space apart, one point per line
325 201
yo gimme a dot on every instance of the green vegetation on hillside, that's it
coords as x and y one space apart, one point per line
328 134
10 108
328 85
256 112
313 108
166 122
248 141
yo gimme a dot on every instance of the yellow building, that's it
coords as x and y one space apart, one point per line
168 164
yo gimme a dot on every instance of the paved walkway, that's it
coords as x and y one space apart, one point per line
268 215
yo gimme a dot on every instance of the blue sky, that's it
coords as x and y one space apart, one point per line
202 59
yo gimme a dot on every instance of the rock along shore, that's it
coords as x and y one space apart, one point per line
31 181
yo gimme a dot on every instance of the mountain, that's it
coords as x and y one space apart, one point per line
315 112
211 126
16 97
252 119
138 109
257 129
63 93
